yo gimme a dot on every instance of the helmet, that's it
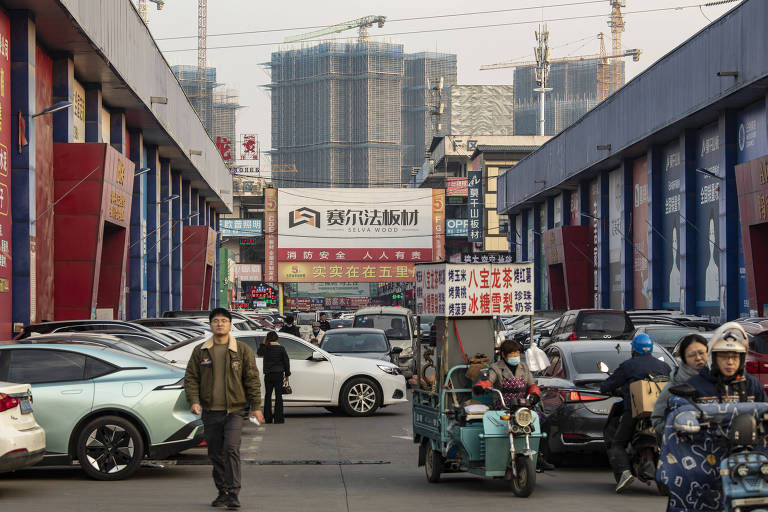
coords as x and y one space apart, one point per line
729 337
642 344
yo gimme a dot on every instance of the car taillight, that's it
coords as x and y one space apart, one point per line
7 402
752 367
575 396
573 337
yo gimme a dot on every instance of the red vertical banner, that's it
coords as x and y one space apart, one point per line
5 175
270 235
641 277
438 225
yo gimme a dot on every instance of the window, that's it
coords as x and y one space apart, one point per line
394 326
558 325
603 322
252 341
554 364
586 362
356 342
33 366
96 368
296 349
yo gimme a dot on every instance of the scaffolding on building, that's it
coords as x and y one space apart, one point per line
336 114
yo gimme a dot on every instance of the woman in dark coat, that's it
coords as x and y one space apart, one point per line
277 369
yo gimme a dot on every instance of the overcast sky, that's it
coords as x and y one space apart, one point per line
655 33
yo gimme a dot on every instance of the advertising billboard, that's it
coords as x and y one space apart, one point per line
616 236
362 225
456 187
475 290
270 235
248 272
709 153
231 228
640 223
670 225
457 228
5 178
344 272
475 208
594 227
249 147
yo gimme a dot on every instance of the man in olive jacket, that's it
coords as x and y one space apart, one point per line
221 381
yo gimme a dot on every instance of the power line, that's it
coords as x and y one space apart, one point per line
453 29
393 20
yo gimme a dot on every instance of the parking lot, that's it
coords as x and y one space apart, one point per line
320 462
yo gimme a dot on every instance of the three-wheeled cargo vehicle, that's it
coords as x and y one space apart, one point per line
455 428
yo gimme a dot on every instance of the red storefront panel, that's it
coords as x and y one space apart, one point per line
42 301
198 249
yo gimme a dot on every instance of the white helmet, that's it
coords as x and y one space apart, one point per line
729 337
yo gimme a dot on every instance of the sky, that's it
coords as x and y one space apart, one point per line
573 31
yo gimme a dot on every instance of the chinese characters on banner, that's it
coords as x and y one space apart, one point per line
240 227
337 272
475 205
270 232
248 272
224 146
438 225
249 147
5 175
456 187
475 290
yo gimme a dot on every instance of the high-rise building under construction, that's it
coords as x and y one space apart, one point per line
352 114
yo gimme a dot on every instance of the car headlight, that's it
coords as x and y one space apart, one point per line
523 417
392 370
743 470
764 469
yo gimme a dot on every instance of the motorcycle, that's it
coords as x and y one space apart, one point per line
734 433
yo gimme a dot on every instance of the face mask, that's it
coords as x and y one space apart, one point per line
315 331
513 361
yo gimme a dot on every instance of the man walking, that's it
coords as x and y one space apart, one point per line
221 381
290 327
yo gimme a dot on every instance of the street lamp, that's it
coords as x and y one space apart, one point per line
143 170
169 198
61 105
709 173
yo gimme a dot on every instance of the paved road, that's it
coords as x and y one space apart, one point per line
377 473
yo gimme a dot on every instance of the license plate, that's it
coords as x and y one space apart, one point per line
26 406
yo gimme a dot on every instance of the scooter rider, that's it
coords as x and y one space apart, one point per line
640 366
725 378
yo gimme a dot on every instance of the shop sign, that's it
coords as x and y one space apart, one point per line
456 187
338 272
475 206
475 290
270 236
248 272
249 147
231 228
457 227
5 176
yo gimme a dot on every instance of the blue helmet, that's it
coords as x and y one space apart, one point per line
642 344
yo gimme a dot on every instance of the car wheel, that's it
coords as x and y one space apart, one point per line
109 448
433 464
360 397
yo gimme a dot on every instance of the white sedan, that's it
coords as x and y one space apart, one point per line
353 385
22 440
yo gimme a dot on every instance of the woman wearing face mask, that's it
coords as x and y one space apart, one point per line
693 356
725 379
511 376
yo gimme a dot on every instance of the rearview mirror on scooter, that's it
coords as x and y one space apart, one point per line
603 367
684 391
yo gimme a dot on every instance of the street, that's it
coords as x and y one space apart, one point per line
320 462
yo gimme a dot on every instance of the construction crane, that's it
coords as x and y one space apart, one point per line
363 24
144 8
616 22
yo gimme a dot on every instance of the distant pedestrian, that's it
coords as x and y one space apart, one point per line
221 381
290 327
315 336
325 325
277 369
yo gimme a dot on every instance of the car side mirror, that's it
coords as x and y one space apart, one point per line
545 332
397 350
317 357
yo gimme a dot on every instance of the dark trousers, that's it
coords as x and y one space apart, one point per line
273 382
222 435
617 453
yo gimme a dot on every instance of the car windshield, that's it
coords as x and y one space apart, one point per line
305 318
668 337
586 361
394 326
603 322
354 342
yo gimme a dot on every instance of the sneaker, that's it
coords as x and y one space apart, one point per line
232 502
221 500
625 481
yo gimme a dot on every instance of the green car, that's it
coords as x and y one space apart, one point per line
105 408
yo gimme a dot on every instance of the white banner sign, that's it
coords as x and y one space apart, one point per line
475 290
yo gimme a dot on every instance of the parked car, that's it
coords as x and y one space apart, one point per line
359 342
105 408
353 385
575 410
666 335
400 326
83 326
153 341
22 440
239 320
585 324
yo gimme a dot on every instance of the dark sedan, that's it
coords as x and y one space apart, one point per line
359 342
575 411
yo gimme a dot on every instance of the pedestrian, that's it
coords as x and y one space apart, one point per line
325 325
315 336
221 382
277 369
290 327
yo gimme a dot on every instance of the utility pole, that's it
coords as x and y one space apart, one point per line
542 71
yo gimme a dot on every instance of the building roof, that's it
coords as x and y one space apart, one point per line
502 148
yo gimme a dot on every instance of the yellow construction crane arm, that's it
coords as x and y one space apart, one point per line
634 53
361 23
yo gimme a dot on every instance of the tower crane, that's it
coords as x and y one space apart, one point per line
143 7
363 24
